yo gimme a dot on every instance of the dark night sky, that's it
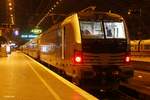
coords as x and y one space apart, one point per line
29 12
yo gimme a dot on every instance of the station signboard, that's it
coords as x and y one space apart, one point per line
28 36
36 30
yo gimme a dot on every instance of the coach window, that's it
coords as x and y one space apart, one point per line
142 47
147 47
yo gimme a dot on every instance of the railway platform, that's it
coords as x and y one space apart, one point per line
22 78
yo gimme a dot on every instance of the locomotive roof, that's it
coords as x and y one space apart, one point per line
99 16
92 15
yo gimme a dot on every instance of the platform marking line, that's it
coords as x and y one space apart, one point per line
9 96
74 87
44 82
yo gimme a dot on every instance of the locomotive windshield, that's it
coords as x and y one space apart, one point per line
103 36
114 29
99 29
91 29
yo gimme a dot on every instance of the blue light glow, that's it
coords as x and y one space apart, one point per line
16 32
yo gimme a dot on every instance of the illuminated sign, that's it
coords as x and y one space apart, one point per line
29 36
36 30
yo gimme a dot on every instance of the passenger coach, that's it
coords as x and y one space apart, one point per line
140 48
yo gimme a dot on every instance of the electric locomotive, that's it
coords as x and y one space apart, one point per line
90 47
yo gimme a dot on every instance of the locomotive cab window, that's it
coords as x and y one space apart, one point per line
114 29
94 30
90 29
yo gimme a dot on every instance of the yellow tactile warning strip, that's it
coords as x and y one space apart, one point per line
83 93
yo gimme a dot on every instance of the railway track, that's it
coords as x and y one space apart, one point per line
113 95
123 93
135 93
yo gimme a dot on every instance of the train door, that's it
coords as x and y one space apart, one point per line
68 34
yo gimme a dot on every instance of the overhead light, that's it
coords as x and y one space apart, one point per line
129 12
57 2
10 8
49 12
109 11
10 4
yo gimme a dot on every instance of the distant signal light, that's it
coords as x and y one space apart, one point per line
16 32
127 59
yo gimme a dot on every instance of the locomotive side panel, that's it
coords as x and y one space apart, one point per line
72 45
47 46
